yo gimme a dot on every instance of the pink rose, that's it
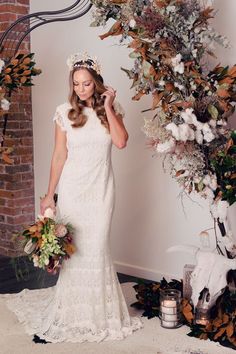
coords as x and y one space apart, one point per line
60 230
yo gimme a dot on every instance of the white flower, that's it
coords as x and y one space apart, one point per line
60 230
219 210
132 23
207 132
199 137
161 83
185 132
212 123
179 86
211 181
170 8
188 116
49 213
208 193
2 63
36 260
229 243
29 247
194 53
174 130
5 104
208 137
178 64
166 147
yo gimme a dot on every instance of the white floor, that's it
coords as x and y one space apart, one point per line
152 339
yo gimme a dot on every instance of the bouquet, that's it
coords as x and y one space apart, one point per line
48 242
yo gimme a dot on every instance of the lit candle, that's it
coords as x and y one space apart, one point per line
169 303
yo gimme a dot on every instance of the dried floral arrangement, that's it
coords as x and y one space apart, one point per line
14 74
170 42
221 327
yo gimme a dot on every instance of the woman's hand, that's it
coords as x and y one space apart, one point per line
47 202
109 95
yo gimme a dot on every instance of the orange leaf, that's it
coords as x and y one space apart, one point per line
226 80
169 86
219 333
178 173
217 322
14 61
26 61
203 336
138 96
115 30
33 229
23 79
27 72
8 79
230 143
230 329
136 43
232 71
7 70
223 93
70 248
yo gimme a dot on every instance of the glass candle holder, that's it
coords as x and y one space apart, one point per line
202 316
170 302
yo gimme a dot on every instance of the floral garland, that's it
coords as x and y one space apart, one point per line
222 324
170 42
14 74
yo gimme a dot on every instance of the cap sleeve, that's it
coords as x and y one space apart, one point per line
58 118
118 108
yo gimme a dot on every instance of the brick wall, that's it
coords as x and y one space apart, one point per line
17 180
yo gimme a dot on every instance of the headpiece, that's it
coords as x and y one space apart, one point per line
83 60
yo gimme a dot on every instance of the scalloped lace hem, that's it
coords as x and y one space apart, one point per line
70 332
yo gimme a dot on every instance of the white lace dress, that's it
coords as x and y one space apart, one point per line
87 303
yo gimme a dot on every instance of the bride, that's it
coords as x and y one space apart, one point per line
87 303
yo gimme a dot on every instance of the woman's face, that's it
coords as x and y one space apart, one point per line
83 84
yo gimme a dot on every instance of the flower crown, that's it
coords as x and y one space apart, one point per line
83 60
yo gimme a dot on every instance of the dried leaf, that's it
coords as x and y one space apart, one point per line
230 329
27 61
203 336
115 30
232 71
217 322
14 61
156 99
229 143
178 173
27 72
223 93
219 333
23 79
138 96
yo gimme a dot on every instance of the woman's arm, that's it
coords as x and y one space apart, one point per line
58 160
119 134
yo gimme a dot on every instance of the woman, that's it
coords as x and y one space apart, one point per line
87 302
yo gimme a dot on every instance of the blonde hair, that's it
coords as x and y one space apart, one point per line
76 114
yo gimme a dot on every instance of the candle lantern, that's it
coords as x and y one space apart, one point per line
170 302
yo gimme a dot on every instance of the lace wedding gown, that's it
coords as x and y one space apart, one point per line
87 303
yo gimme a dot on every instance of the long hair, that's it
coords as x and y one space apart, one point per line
76 114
